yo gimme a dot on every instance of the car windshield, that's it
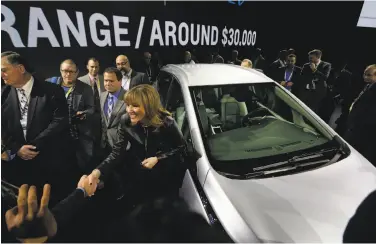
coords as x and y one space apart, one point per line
243 122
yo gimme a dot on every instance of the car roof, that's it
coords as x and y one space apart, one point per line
215 74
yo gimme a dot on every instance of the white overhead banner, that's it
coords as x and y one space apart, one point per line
368 15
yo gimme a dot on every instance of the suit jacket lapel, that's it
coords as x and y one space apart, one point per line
86 79
100 84
118 105
33 103
132 81
103 102
14 107
76 96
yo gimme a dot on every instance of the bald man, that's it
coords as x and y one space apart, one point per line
361 123
148 67
131 78
188 58
246 63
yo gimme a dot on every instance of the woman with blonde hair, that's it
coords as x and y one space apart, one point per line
153 162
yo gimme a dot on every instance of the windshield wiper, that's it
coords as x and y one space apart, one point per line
297 160
286 168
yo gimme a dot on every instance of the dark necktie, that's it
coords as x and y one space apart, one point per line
96 95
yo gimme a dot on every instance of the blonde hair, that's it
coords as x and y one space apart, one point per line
147 97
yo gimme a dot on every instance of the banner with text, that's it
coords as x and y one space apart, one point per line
101 30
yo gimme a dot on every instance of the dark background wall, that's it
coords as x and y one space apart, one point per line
329 26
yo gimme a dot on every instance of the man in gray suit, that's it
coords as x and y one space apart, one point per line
112 107
92 78
130 78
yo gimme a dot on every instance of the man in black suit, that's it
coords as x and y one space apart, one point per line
234 58
131 78
217 58
314 77
35 119
289 76
259 62
148 67
81 113
277 64
361 122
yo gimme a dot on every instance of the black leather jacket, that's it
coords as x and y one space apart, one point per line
165 142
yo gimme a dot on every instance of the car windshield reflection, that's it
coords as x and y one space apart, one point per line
258 123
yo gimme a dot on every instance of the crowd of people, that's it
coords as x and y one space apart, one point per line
110 133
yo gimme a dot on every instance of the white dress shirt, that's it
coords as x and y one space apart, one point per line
27 88
126 81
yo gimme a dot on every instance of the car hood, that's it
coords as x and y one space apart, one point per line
313 206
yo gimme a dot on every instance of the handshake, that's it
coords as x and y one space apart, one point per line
90 183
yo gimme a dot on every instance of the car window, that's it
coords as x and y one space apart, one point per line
254 123
175 103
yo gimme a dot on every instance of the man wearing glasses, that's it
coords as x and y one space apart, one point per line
81 112
131 78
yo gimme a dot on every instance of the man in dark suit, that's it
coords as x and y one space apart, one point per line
314 77
112 106
35 119
95 80
289 76
361 122
277 64
131 78
234 58
148 67
259 62
81 113
217 58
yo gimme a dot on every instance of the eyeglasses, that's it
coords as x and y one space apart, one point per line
122 63
68 71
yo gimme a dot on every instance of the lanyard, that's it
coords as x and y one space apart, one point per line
69 92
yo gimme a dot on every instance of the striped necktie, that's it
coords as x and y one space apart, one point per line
23 102
110 106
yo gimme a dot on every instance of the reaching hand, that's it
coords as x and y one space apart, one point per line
94 177
85 184
26 152
4 156
149 163
25 221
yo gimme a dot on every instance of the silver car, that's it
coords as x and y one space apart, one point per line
264 167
